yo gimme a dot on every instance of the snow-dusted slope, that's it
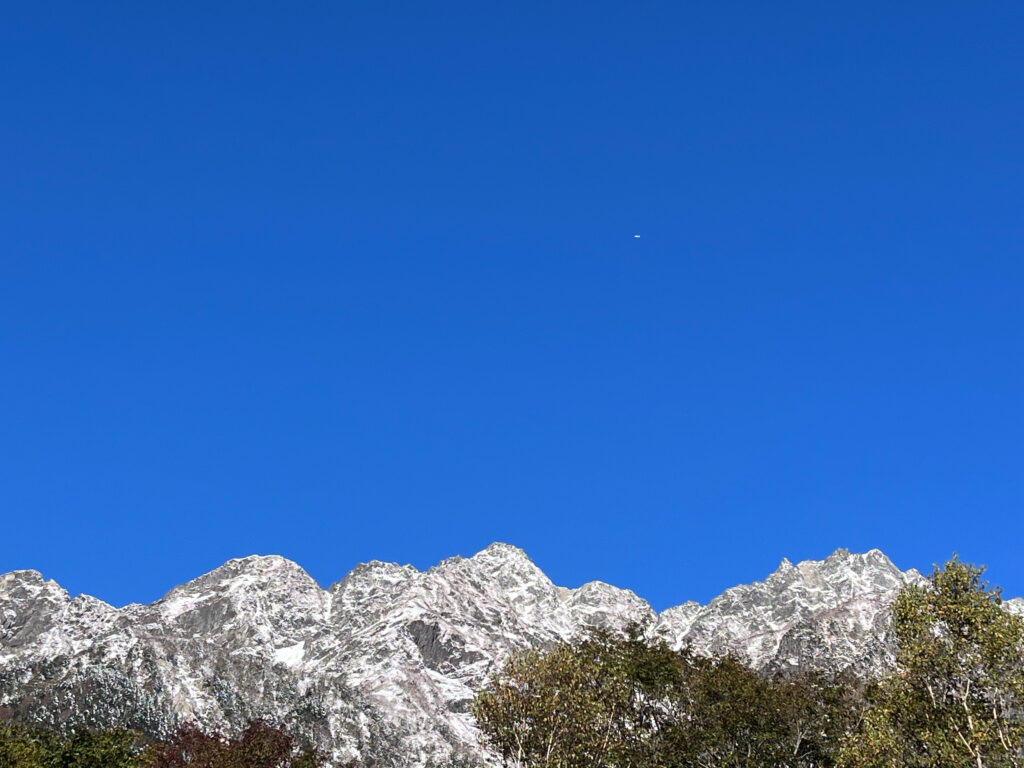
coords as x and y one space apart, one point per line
1016 605
383 665
817 614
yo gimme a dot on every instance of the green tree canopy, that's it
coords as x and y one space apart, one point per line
259 746
956 699
603 700
22 747
621 701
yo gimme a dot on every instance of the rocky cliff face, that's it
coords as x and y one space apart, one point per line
383 665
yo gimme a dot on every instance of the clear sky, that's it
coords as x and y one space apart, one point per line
358 280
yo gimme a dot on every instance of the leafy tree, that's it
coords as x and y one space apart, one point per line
602 701
818 711
259 746
956 699
189 746
22 747
612 701
731 719
736 718
114 748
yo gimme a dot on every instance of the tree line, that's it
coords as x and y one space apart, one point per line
260 745
955 698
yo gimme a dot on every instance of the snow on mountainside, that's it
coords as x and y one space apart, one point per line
817 614
383 665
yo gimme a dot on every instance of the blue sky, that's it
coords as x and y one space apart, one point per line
345 281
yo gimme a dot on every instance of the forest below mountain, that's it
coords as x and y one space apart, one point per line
609 699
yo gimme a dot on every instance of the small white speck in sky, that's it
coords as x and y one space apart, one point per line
636 235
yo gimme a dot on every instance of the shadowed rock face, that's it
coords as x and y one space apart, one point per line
383 665
30 607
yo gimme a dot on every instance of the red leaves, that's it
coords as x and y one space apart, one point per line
260 746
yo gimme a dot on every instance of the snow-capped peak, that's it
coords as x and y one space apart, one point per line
385 662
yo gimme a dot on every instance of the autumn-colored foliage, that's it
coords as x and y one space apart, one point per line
260 746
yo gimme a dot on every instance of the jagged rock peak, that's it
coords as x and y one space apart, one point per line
375 571
260 596
496 554
27 579
505 556
840 560
502 551
259 565
272 573
30 608
502 565
22 588
383 665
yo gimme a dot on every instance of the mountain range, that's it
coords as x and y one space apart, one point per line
382 666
